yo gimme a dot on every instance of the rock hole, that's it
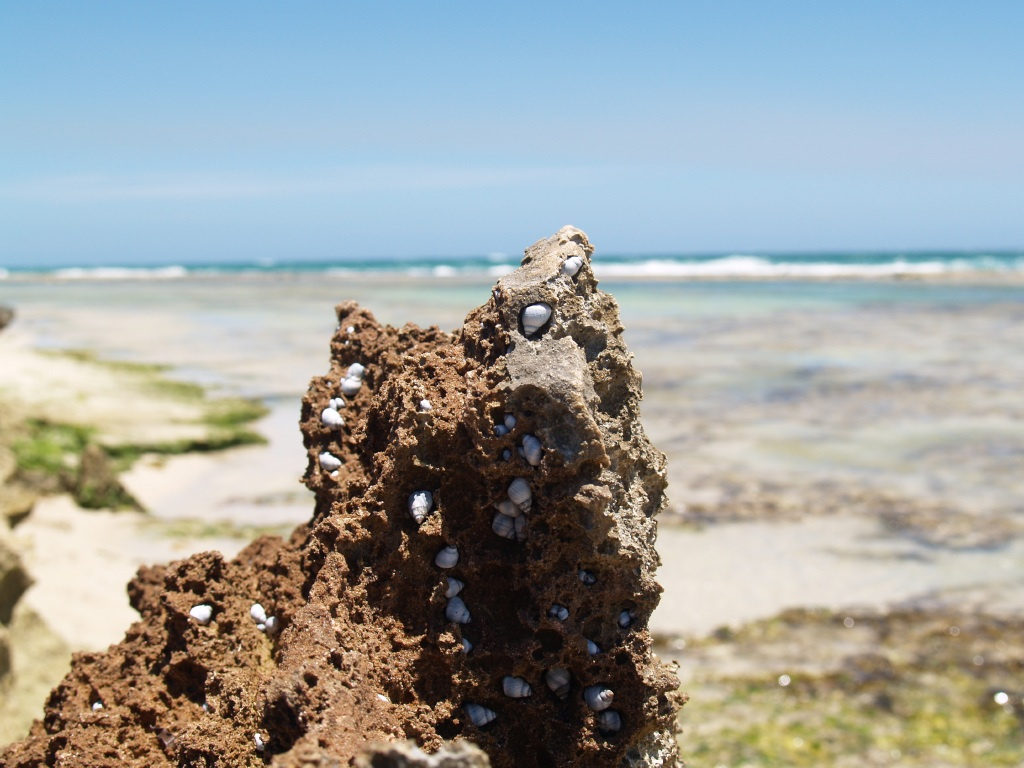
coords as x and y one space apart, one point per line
284 722
550 641
187 679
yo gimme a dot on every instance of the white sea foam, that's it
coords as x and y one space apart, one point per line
755 266
120 273
3 273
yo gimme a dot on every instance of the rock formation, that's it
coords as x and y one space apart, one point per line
479 565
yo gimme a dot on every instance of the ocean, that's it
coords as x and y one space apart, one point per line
821 265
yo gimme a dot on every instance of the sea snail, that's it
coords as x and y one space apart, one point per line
420 504
457 611
330 418
504 526
353 379
598 697
532 450
559 612
329 461
479 715
447 558
534 317
454 587
201 613
520 493
509 508
609 721
558 680
516 687
572 266
520 523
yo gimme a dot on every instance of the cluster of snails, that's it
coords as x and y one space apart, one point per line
535 317
331 416
529 446
558 679
509 522
353 379
264 623
456 609
203 613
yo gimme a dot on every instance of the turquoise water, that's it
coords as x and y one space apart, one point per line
736 265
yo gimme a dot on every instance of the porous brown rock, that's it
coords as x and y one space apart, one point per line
363 649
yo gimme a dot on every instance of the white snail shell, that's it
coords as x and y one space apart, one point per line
510 422
425 406
521 531
329 417
349 385
609 720
504 526
559 612
466 646
598 697
506 455
593 648
587 578
457 611
355 371
508 507
271 625
572 266
534 316
516 687
479 715
337 403
201 613
626 618
519 491
454 587
558 680
533 452
420 504
500 430
258 613
447 558
329 461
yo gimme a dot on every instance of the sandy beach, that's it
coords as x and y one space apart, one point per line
847 446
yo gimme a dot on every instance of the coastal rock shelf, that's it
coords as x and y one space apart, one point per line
479 565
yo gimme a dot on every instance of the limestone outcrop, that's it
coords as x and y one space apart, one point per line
479 565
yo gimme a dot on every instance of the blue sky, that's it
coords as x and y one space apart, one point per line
180 132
